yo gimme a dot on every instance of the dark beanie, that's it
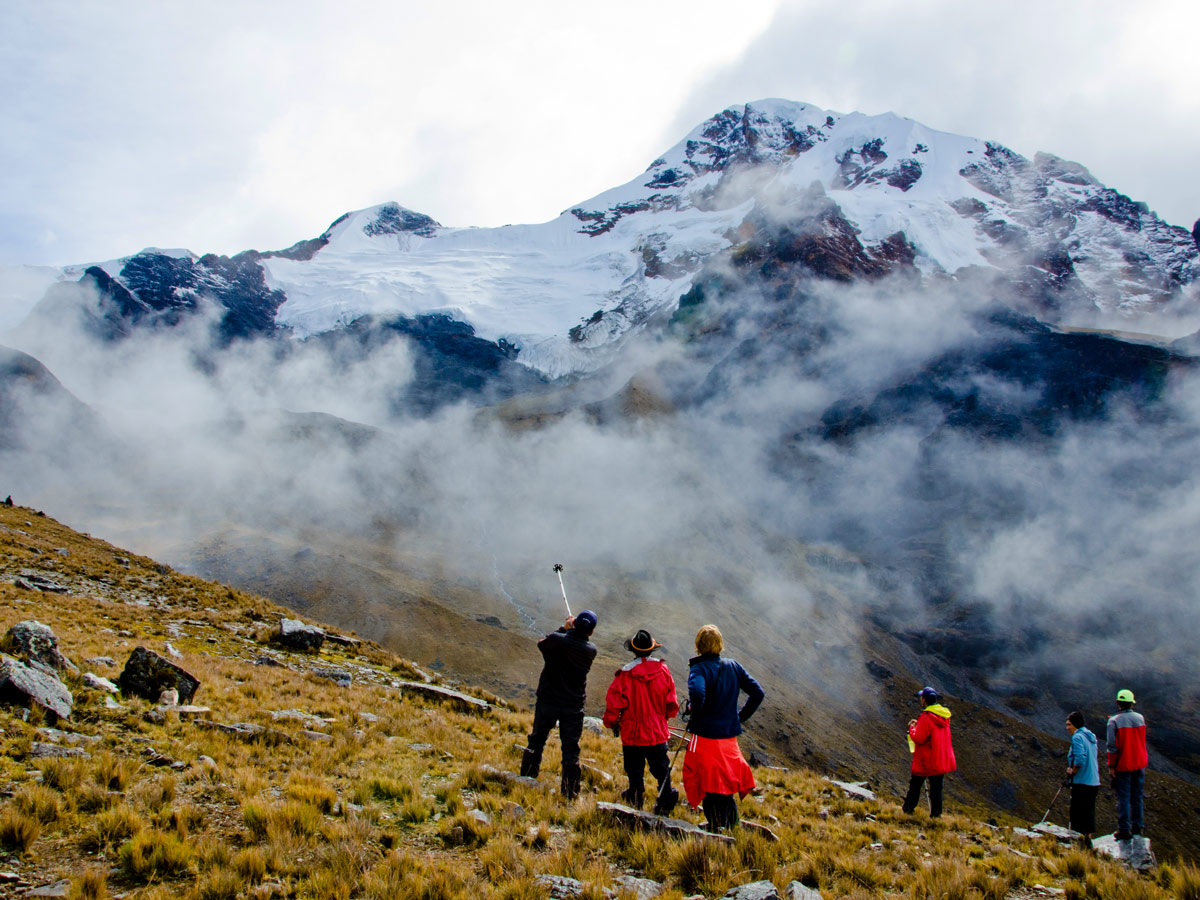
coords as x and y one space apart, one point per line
585 622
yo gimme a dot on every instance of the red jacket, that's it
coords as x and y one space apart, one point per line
1127 742
929 737
641 699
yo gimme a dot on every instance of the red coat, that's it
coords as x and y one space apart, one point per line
641 699
933 754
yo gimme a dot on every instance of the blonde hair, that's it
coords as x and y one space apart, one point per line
709 640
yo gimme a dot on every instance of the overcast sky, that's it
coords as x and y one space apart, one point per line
229 125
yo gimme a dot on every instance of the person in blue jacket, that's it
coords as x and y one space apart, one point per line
1083 765
714 768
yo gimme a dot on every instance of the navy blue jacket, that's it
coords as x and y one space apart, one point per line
713 687
568 655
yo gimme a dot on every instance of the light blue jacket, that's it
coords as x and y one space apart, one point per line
1083 755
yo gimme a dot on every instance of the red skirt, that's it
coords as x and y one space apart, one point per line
714 766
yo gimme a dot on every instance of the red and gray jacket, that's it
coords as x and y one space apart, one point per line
641 699
1127 742
929 740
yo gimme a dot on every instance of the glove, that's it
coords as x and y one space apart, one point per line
616 730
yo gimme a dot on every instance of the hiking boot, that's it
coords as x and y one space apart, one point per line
531 764
570 786
1122 835
665 804
633 797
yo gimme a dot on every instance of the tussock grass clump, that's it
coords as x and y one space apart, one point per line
504 860
155 854
153 794
464 831
40 802
91 885
288 818
61 774
218 884
112 771
90 798
18 831
250 863
313 791
111 827
1183 880
381 787
702 867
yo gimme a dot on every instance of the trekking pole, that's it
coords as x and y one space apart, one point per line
1046 815
558 571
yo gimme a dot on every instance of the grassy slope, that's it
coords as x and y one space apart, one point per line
380 809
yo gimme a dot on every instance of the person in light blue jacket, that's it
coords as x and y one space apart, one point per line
1083 765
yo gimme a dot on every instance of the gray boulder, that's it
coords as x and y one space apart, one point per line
34 642
295 635
755 890
799 891
22 685
147 675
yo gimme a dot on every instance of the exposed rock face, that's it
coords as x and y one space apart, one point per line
36 643
147 675
295 635
23 685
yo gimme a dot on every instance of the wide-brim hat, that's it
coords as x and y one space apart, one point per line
641 642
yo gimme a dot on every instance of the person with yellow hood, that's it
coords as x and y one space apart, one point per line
932 751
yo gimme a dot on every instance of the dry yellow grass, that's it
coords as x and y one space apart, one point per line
395 801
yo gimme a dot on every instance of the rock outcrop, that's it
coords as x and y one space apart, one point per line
23 685
147 675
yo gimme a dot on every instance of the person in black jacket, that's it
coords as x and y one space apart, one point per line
714 768
561 694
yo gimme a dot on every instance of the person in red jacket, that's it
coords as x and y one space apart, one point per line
933 753
640 700
1127 761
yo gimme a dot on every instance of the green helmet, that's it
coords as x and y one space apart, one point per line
1125 697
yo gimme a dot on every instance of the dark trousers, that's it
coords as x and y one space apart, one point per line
637 759
1129 788
935 794
1083 808
721 811
570 728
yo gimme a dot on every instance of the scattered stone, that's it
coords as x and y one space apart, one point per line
71 738
755 890
56 889
110 703
43 750
208 762
31 581
319 736
99 683
247 730
104 661
302 716
12 878
169 697
797 890
758 759
480 816
171 651
22 685
856 789
1056 831
646 821
267 661
457 699
494 774
598 774
514 812
593 724
561 887
368 717
759 828
342 640
147 675
35 642
643 888
295 635
1135 852
340 676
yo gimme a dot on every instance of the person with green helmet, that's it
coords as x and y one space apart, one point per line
1127 761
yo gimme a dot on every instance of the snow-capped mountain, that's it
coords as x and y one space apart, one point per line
562 294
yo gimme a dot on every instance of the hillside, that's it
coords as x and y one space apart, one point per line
293 784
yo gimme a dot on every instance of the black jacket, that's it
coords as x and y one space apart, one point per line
568 656
713 687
